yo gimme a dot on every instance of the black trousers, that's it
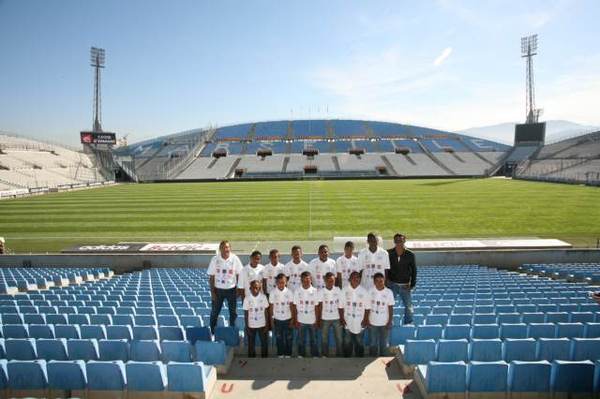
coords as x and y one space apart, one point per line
262 336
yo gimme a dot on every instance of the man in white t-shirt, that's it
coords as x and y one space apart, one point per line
223 271
294 268
256 312
380 316
271 271
346 264
281 300
320 266
357 304
371 260
306 312
252 271
332 315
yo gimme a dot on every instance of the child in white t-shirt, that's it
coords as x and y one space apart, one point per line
281 300
256 312
357 304
306 312
332 315
380 316
271 271
346 264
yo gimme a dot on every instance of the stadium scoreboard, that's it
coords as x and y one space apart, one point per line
530 132
98 138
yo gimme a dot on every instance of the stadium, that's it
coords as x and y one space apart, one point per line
150 269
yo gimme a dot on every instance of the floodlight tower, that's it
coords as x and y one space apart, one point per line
97 59
528 50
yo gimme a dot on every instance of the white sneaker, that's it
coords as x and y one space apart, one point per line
280 356
287 357
300 357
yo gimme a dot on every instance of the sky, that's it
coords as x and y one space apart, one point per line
178 65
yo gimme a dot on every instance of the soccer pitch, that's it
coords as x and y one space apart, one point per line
252 212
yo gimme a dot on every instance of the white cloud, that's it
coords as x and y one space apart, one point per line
443 56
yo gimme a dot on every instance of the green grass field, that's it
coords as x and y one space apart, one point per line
302 210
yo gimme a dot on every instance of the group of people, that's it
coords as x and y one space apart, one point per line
347 295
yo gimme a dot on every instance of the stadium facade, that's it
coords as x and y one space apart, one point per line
311 148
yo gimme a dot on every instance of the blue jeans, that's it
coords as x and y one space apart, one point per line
283 337
307 331
354 343
403 291
337 333
378 337
217 304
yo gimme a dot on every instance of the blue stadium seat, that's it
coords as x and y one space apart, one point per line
430 332
486 350
591 330
187 377
513 330
12 319
419 351
509 318
484 318
105 376
100 319
122 320
229 335
170 333
56 319
91 331
113 349
520 349
485 331
569 330
553 349
145 332
190 321
14 331
79 319
145 351
146 377
536 317
572 377
67 375
557 317
176 351
119 332
27 376
581 317
436 319
20 349
82 349
40 331
210 353
457 331
454 350
585 349
66 331
168 320
400 334
460 319
529 376
144 320
542 330
488 376
442 378
194 334
31 318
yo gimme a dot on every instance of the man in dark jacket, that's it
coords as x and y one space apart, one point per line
402 275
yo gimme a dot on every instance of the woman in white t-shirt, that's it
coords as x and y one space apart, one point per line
256 312
380 316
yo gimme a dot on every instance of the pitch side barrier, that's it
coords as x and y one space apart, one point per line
314 177
122 263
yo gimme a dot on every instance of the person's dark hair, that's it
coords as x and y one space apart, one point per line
329 274
280 276
255 253
349 244
273 252
296 247
378 275
223 243
304 274
323 246
398 235
257 282
352 274
371 235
